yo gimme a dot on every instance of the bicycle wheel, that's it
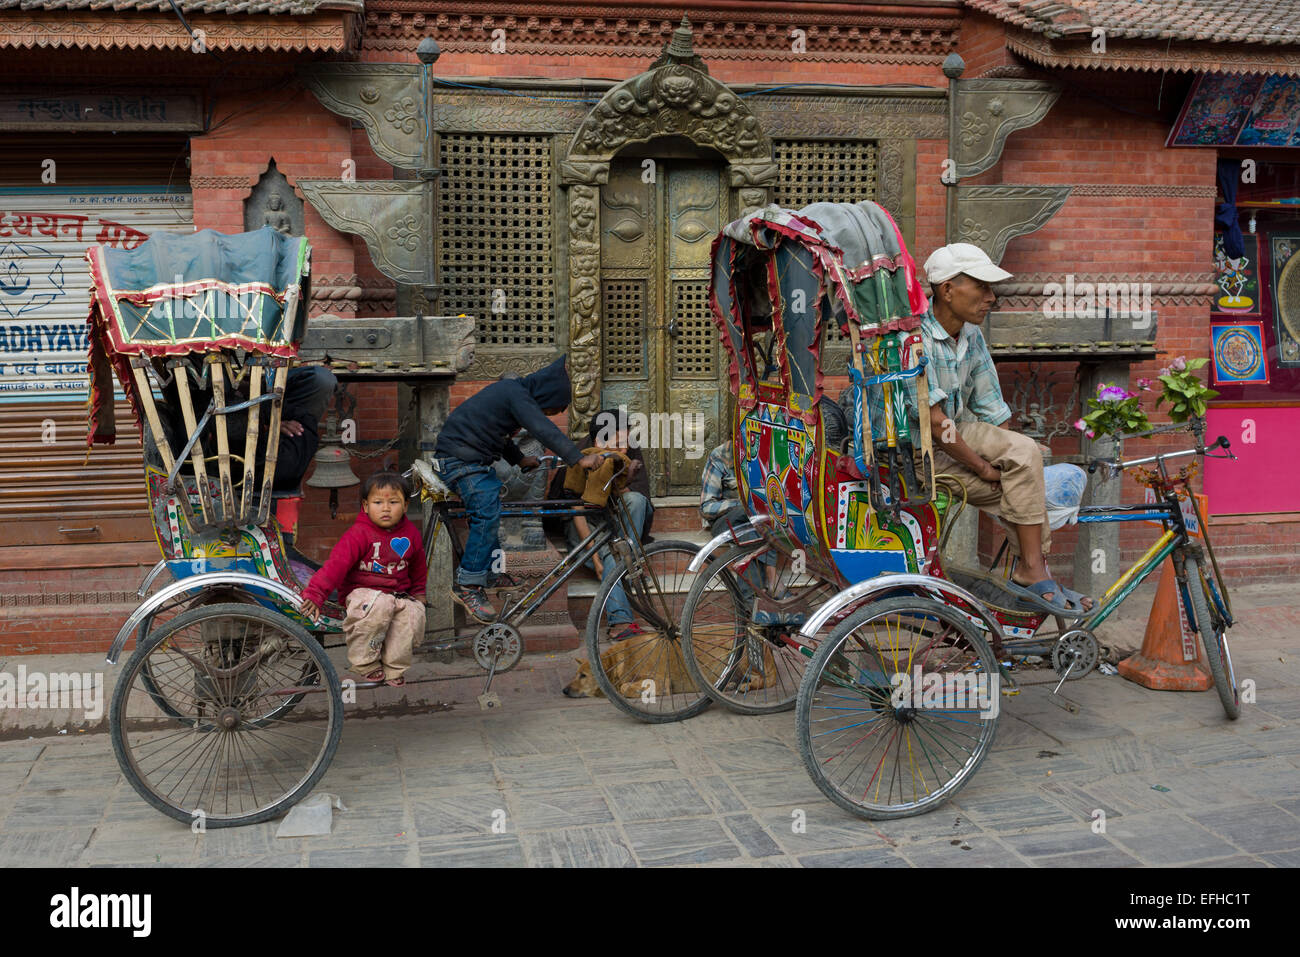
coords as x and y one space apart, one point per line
186 602
231 752
740 625
881 747
1214 637
646 675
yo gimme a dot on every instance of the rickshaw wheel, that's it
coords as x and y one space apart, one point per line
186 602
736 635
232 755
645 675
883 749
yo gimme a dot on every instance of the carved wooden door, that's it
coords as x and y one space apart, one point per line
659 343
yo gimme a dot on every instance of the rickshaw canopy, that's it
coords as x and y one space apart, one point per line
177 294
791 271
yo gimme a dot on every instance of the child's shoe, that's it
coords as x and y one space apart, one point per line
474 600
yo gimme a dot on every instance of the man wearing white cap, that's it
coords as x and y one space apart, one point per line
1001 470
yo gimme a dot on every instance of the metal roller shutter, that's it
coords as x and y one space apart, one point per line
50 492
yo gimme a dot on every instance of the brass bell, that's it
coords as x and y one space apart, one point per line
333 470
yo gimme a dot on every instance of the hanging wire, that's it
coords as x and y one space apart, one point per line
501 92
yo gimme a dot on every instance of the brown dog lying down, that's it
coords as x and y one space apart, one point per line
651 657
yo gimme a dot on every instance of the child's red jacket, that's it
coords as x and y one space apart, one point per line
367 556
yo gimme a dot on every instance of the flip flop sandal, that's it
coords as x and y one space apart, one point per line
376 675
1034 594
1078 597
395 682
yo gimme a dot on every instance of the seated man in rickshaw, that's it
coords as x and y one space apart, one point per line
1001 470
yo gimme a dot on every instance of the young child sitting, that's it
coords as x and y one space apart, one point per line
379 570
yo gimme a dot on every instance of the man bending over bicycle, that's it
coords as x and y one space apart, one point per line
1001 470
475 435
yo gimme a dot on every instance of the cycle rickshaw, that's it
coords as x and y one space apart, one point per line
898 705
229 708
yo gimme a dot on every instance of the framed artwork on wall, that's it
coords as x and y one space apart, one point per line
1238 350
1216 109
1284 251
1237 279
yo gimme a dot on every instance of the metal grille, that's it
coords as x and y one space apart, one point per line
830 171
824 171
495 217
695 344
624 324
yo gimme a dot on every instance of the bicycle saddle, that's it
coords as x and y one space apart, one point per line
434 488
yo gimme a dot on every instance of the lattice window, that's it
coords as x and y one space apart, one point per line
825 171
624 324
694 348
495 219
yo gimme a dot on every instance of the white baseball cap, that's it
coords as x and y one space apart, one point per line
948 261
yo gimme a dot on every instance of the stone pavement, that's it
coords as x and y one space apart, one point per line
578 783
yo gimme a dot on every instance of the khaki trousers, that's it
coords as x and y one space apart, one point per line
1019 497
381 627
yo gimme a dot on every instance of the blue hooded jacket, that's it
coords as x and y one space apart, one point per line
479 429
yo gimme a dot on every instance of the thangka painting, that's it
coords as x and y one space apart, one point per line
1215 111
1285 273
1239 353
1237 279
1275 114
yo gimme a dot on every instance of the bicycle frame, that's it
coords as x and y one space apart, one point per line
1174 540
616 531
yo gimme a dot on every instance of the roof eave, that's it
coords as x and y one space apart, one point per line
326 31
1155 54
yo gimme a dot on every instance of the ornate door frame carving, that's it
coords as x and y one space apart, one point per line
675 97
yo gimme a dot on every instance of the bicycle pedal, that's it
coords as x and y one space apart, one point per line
489 701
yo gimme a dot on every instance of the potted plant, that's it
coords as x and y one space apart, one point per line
1114 411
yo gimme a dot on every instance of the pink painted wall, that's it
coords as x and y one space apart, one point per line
1263 479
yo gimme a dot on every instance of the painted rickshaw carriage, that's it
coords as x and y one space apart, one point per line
229 708
843 500
201 331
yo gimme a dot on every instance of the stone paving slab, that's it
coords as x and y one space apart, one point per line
550 782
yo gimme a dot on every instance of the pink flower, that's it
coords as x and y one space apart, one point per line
1179 364
1092 434
1081 425
1112 393
1165 371
1144 385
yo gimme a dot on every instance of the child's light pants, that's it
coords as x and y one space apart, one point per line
381 627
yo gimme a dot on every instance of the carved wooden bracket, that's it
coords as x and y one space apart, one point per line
990 216
392 216
396 218
988 111
385 98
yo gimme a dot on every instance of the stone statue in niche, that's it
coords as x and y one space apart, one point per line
273 203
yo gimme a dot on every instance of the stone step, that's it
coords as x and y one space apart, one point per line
677 512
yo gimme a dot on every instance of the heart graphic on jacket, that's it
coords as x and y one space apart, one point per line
401 546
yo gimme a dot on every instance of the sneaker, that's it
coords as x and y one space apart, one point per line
474 600
503 581
623 632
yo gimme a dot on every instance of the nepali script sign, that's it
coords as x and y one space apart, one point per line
45 281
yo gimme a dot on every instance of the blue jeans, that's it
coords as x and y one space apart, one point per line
617 609
479 489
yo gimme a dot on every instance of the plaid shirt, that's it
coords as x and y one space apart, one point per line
720 493
961 375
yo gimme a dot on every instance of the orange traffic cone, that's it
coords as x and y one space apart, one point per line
1170 659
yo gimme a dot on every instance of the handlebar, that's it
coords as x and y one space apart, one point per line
1220 443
